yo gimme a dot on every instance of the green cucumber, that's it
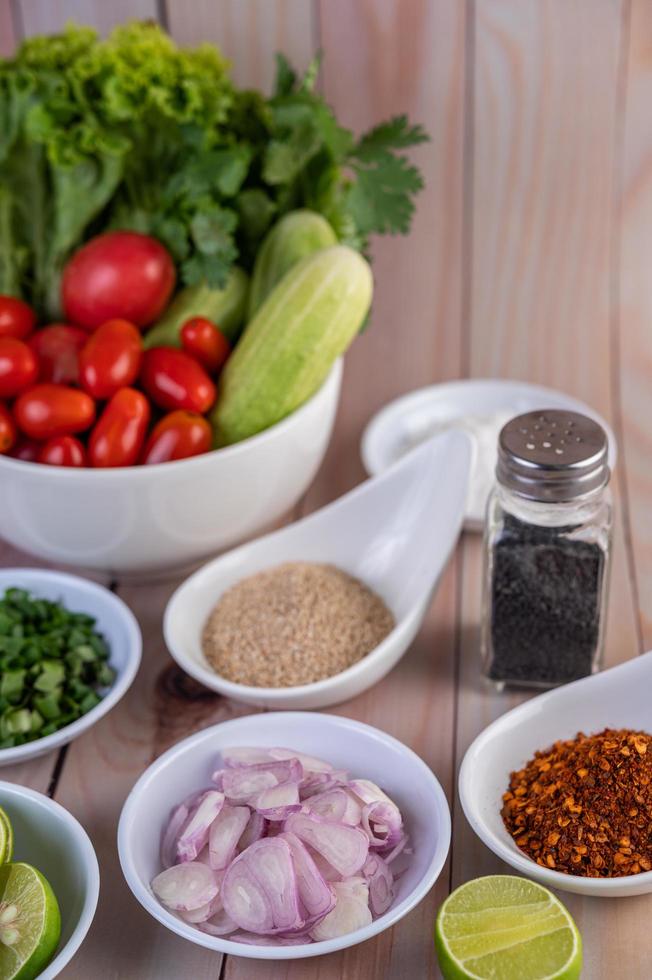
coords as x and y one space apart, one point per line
296 235
286 351
224 307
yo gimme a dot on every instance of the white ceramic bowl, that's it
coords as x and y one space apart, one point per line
364 751
616 698
48 837
395 533
408 420
151 518
114 620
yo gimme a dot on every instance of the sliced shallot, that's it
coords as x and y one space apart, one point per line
244 899
336 804
381 884
243 784
176 823
279 801
350 913
345 848
314 893
185 887
204 912
270 861
224 834
383 824
195 834
219 925
254 830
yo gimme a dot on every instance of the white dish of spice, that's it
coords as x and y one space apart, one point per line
617 699
479 407
393 534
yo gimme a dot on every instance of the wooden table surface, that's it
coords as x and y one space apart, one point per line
529 258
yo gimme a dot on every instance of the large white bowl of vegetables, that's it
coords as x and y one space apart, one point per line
198 273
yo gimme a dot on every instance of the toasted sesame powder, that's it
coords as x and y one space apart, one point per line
293 624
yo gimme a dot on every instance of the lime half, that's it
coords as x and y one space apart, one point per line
6 838
506 928
30 923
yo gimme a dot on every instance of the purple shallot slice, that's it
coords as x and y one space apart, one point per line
345 848
185 887
194 835
224 834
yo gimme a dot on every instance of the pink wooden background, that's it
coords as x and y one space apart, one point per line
530 258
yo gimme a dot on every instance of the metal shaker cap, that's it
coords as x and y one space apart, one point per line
551 455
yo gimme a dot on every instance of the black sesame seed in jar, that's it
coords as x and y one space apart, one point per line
547 547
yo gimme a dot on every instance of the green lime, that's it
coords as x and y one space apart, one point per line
6 838
506 928
30 923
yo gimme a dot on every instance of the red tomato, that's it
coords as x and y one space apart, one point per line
173 379
121 274
202 340
7 430
27 450
45 411
63 451
17 319
57 348
111 358
177 436
118 437
17 367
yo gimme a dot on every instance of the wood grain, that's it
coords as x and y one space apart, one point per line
48 16
249 32
540 282
7 29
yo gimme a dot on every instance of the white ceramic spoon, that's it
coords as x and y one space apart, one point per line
395 532
616 698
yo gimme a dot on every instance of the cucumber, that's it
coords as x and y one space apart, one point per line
296 235
225 307
286 351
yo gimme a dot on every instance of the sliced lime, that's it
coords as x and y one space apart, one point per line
6 838
506 928
30 923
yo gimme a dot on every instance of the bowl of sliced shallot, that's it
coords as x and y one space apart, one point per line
284 835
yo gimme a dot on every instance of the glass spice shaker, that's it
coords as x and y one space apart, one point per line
547 549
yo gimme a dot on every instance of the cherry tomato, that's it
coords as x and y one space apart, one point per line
17 367
177 436
202 340
45 411
118 437
57 348
121 274
27 449
17 319
173 379
111 358
8 431
63 451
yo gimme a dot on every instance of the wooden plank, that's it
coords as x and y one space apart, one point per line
634 303
49 16
414 338
8 37
249 32
546 131
381 58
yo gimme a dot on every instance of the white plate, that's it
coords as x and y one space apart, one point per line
48 837
404 423
616 698
114 620
394 532
365 751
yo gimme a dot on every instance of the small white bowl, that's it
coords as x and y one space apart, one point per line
154 518
394 532
408 420
49 838
115 622
616 698
365 751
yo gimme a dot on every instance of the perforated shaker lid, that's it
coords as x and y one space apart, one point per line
551 455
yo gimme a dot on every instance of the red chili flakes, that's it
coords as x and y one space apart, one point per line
584 807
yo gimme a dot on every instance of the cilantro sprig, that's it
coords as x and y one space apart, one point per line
134 132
